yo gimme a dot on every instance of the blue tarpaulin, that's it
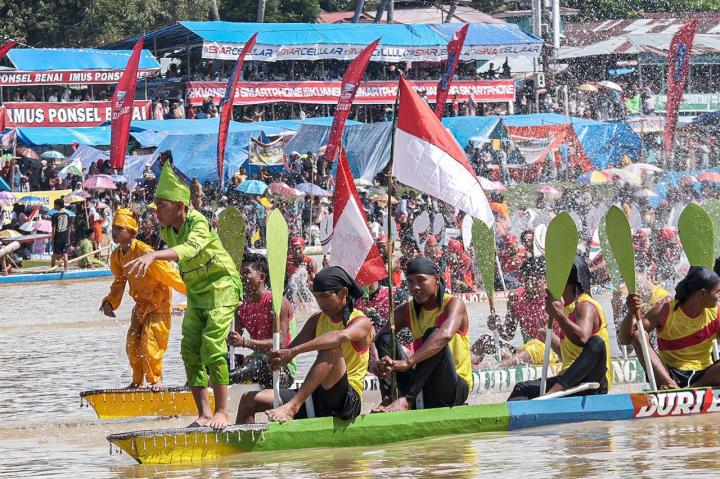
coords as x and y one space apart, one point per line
672 178
64 59
464 128
99 135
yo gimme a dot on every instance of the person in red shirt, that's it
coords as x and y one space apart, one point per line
297 259
461 268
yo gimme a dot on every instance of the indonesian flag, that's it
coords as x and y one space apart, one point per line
352 244
427 157
34 214
122 108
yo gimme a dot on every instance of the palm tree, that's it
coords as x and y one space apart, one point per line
358 10
214 10
261 11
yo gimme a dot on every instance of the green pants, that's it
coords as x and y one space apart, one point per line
204 344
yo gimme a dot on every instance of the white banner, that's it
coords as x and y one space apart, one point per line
385 53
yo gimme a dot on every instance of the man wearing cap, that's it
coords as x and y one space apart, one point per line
214 289
439 372
147 337
297 259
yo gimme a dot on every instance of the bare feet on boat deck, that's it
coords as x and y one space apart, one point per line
284 413
400 404
219 421
200 421
381 407
158 386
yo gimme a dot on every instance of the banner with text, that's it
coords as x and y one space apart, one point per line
69 77
77 114
384 53
369 93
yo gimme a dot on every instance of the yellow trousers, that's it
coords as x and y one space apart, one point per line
147 340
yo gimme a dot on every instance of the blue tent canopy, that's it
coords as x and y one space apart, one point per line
507 35
464 128
99 135
49 59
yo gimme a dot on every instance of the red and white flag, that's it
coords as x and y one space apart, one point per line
353 247
122 108
454 49
427 157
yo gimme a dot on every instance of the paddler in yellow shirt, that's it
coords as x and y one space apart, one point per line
440 367
147 338
584 343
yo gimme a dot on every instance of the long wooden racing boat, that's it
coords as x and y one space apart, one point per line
125 403
56 276
191 445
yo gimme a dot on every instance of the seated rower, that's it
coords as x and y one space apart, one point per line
440 366
584 344
525 308
255 315
342 336
686 328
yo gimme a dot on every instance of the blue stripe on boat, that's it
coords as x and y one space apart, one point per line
80 274
604 407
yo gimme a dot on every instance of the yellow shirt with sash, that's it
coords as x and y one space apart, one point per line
459 344
570 351
685 343
356 361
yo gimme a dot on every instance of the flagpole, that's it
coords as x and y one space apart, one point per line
390 243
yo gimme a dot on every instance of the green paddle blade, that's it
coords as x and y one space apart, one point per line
697 236
713 209
276 234
560 250
483 241
620 239
231 230
609 257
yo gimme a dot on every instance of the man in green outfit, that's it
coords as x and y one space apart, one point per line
213 286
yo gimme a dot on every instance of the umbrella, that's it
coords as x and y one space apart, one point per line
594 178
101 206
7 198
313 189
44 226
74 168
27 153
82 194
689 180
709 176
280 188
252 187
5 234
611 85
646 194
119 178
70 213
31 200
624 176
70 199
548 189
638 168
100 182
363 182
52 155
489 185
587 87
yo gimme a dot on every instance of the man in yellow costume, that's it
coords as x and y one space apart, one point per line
147 338
213 285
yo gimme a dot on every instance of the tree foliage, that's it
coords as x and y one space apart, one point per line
301 11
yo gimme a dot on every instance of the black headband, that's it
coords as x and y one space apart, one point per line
334 278
422 265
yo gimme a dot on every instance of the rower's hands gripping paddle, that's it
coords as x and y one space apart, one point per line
276 234
483 241
231 230
560 250
620 239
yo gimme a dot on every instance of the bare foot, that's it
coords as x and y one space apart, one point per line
200 421
219 421
157 386
381 407
284 413
556 388
400 404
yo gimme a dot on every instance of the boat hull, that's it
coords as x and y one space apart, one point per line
125 403
192 445
59 276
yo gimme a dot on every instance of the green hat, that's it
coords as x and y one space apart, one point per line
170 187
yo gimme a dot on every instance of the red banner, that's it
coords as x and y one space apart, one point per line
69 77
226 107
122 107
369 93
89 113
678 63
454 48
348 89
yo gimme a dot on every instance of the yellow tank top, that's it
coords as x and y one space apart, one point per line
356 361
459 344
686 343
570 351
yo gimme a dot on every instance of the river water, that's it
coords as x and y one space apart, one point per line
54 343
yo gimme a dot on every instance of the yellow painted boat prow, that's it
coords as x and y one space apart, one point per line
125 403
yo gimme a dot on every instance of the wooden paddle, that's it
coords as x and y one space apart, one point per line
612 268
231 230
620 239
560 250
276 235
483 240
697 236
